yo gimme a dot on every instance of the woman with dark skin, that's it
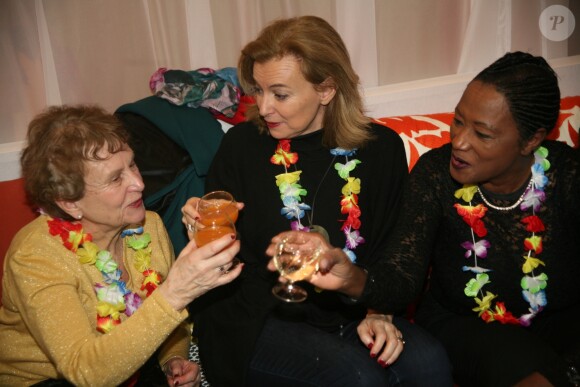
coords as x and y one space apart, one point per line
495 214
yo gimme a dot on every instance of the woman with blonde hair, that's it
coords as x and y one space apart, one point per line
308 159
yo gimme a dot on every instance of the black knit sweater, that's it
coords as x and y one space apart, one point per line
430 232
229 319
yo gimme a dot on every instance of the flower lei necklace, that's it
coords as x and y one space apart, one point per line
533 286
291 191
113 295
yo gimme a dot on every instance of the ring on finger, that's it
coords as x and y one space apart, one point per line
222 270
400 338
189 227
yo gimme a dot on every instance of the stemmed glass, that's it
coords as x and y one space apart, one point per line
295 259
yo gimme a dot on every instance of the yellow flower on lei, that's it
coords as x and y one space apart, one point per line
289 177
484 304
142 259
466 193
531 263
352 186
88 253
107 309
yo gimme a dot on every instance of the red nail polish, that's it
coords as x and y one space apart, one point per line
369 345
381 362
373 355
176 383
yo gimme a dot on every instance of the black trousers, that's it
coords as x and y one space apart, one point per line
493 354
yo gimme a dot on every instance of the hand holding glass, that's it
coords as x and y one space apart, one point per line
295 260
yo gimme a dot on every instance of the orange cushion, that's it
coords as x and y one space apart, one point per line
15 214
421 133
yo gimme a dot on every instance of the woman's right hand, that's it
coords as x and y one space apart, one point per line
198 270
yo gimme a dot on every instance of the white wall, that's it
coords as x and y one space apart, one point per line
435 95
440 95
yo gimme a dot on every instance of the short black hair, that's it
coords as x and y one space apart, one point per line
530 87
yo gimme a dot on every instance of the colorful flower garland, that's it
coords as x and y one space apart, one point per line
113 295
291 192
533 286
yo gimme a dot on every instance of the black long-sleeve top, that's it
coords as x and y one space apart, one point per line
430 232
229 319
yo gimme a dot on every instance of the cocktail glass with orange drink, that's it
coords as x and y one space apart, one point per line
215 206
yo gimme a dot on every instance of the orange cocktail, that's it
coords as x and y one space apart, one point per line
217 210
212 232
217 207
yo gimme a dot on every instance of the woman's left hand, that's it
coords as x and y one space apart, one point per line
181 372
383 338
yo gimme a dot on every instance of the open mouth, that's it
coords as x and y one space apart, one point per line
457 162
136 203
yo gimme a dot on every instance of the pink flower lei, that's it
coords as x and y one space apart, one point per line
533 285
113 295
291 192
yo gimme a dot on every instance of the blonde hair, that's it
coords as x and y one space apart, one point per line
325 62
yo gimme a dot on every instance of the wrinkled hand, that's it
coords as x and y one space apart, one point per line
335 270
198 270
383 339
181 372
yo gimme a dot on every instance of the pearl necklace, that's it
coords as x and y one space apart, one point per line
509 208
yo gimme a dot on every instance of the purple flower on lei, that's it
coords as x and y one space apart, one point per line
479 248
297 226
132 303
353 238
533 198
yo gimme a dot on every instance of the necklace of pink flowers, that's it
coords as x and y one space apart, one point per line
113 295
533 284
291 192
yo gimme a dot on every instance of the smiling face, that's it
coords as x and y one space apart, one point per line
289 104
113 194
486 144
